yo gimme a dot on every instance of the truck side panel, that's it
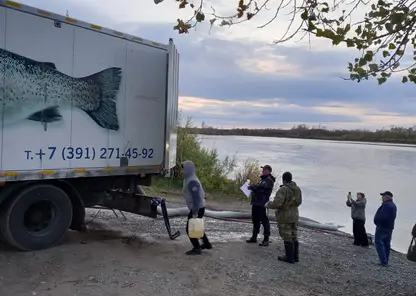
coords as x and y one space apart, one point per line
32 37
75 98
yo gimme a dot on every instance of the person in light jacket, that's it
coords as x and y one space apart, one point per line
195 201
358 218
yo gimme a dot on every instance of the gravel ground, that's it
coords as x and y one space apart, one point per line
136 257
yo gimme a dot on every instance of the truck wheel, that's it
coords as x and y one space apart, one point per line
2 240
37 217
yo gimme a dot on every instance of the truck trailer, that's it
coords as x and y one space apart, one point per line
88 115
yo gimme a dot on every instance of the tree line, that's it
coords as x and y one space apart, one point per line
397 135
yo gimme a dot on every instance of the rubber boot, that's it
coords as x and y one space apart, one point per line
265 242
194 252
206 245
296 251
253 239
289 249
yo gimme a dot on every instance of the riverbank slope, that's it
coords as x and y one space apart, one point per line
134 256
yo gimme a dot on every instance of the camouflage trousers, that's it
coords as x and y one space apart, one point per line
288 232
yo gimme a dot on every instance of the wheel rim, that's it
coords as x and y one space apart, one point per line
39 216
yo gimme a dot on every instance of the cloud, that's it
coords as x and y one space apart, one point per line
279 113
261 113
232 77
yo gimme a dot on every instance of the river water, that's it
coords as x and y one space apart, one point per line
327 170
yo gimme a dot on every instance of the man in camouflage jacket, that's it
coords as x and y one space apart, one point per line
286 203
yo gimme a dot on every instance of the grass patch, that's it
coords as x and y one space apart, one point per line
212 171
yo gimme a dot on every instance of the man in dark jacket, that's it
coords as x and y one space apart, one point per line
384 220
260 195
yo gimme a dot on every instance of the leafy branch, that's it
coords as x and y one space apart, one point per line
383 37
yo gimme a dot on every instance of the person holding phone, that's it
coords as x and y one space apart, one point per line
358 217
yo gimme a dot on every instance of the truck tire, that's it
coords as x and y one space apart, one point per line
37 217
6 192
2 240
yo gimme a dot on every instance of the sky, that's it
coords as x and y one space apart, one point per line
235 77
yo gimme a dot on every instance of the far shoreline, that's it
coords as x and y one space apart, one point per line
359 142
391 136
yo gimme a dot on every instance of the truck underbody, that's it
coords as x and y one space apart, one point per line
37 214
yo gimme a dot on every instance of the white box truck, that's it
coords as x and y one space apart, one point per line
88 114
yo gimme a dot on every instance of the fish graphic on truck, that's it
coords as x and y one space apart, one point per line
34 90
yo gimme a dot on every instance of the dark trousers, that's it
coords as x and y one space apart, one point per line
360 234
195 241
259 216
382 241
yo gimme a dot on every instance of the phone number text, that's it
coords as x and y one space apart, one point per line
91 153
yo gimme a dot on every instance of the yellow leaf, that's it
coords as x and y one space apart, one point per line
183 4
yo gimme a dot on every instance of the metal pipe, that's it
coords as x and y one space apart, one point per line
175 212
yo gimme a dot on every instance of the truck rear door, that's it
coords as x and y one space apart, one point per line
171 107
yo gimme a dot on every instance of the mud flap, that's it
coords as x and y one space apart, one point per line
162 204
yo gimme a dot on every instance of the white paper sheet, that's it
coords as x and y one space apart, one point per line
245 189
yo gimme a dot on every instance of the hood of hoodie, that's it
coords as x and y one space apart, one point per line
190 176
188 168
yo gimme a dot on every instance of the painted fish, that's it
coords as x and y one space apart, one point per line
36 90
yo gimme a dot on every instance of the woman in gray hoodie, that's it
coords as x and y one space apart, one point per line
195 201
358 218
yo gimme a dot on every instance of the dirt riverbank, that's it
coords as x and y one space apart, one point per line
135 257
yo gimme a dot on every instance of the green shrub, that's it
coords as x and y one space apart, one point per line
210 169
249 171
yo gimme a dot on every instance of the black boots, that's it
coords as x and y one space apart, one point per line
194 252
253 239
289 250
292 252
206 246
296 251
265 242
